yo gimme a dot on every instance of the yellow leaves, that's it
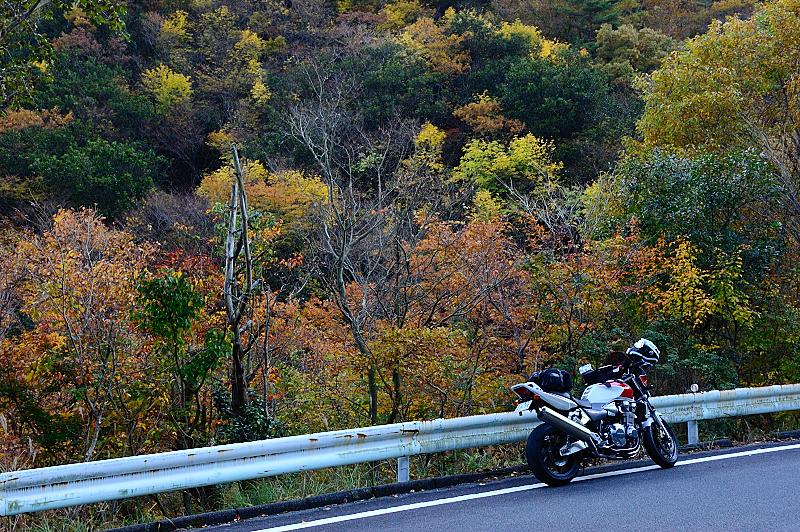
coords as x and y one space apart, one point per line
693 294
400 13
168 88
685 297
260 92
728 82
221 140
428 153
291 195
430 136
175 27
78 267
490 164
539 45
216 186
551 49
486 207
432 42
517 28
77 17
532 152
249 46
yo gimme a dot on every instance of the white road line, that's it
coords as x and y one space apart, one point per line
516 489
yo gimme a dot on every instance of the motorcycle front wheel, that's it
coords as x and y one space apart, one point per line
661 445
545 460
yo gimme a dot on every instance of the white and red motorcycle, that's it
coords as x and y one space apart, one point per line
613 419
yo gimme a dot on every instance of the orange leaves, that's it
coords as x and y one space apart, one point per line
78 271
17 120
76 286
485 116
292 196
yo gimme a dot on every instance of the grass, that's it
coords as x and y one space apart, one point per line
293 486
103 516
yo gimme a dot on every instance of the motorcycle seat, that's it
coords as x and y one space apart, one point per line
596 415
582 403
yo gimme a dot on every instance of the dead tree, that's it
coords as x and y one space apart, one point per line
239 286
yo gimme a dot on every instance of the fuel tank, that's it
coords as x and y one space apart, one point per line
604 393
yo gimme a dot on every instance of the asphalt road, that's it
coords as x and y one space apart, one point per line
753 489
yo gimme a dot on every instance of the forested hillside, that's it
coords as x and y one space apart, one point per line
442 196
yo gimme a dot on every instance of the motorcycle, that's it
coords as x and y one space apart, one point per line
613 419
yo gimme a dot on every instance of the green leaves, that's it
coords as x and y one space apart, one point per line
25 51
707 197
525 164
168 306
555 99
112 175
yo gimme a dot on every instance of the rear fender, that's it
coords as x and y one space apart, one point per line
527 390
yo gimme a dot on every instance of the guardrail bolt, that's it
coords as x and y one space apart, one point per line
402 469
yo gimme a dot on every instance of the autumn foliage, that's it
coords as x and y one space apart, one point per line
441 197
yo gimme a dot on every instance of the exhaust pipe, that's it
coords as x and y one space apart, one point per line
576 430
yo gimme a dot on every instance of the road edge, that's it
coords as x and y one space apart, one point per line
222 517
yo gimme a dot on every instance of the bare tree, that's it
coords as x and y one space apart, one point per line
239 286
367 222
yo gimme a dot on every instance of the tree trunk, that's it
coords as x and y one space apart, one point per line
373 395
238 386
397 396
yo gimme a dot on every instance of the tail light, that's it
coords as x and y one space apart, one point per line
524 393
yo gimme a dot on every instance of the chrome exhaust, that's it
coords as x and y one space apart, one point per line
576 430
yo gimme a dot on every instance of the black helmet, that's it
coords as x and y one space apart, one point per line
645 350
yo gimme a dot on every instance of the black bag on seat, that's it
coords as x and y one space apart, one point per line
552 380
599 375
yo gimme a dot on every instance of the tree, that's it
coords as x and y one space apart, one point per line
486 118
25 51
111 175
77 291
169 308
711 199
734 88
526 164
573 21
555 98
682 19
626 51
239 285
368 219
169 89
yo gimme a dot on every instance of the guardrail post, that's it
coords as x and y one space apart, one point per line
402 469
693 433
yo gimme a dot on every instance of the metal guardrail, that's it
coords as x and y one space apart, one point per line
74 484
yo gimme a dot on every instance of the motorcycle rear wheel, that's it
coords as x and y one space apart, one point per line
662 448
544 459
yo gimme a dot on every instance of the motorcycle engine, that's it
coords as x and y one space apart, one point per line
619 436
622 432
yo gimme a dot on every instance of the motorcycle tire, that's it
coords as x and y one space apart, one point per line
541 452
662 454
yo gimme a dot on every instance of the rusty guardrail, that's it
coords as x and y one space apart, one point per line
105 480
